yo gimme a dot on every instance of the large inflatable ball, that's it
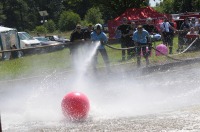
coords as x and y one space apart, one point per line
161 49
75 106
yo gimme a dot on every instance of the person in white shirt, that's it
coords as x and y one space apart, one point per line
166 34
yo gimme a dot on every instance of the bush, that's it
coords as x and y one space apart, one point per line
94 16
68 21
41 29
50 26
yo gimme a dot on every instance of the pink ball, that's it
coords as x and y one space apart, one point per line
162 48
75 106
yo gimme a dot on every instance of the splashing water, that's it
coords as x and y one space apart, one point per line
36 103
82 62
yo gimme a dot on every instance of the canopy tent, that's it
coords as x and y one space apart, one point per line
138 15
8 38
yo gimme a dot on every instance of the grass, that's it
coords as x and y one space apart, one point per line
60 60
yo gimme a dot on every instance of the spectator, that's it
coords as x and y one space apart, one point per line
149 26
192 31
198 26
99 35
151 29
193 22
185 24
132 30
182 37
77 39
166 34
125 38
171 31
140 37
87 33
184 28
191 36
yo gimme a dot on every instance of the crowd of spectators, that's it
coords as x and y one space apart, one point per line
136 39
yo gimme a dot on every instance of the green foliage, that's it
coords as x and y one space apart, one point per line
180 6
2 16
41 29
84 23
114 8
78 6
94 16
68 20
50 26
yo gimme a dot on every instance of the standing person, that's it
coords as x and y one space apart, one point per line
131 43
166 34
87 38
182 38
99 35
76 39
125 32
198 26
140 37
149 26
151 29
171 31
184 28
193 23
185 24
87 33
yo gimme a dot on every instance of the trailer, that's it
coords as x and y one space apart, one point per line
8 40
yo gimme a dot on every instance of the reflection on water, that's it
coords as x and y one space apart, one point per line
160 101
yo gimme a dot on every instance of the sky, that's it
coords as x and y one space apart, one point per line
153 3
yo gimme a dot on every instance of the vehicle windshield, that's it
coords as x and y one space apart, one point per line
25 36
42 39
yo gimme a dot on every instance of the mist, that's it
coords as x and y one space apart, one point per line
113 95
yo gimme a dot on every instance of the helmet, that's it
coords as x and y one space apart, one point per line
98 26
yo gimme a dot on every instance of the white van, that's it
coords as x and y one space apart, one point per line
26 40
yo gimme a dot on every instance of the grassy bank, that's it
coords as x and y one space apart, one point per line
38 64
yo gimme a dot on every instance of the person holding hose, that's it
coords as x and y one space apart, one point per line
140 37
99 35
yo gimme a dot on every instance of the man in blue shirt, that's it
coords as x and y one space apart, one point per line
140 37
99 35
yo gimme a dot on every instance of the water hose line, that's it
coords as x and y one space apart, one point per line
156 49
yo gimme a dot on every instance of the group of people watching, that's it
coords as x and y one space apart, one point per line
189 30
138 37
136 40
141 36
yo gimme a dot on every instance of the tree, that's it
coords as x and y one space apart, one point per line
50 26
94 16
115 8
18 14
41 29
181 6
2 16
68 20
78 6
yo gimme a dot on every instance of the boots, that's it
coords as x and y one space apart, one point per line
138 61
147 62
170 50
